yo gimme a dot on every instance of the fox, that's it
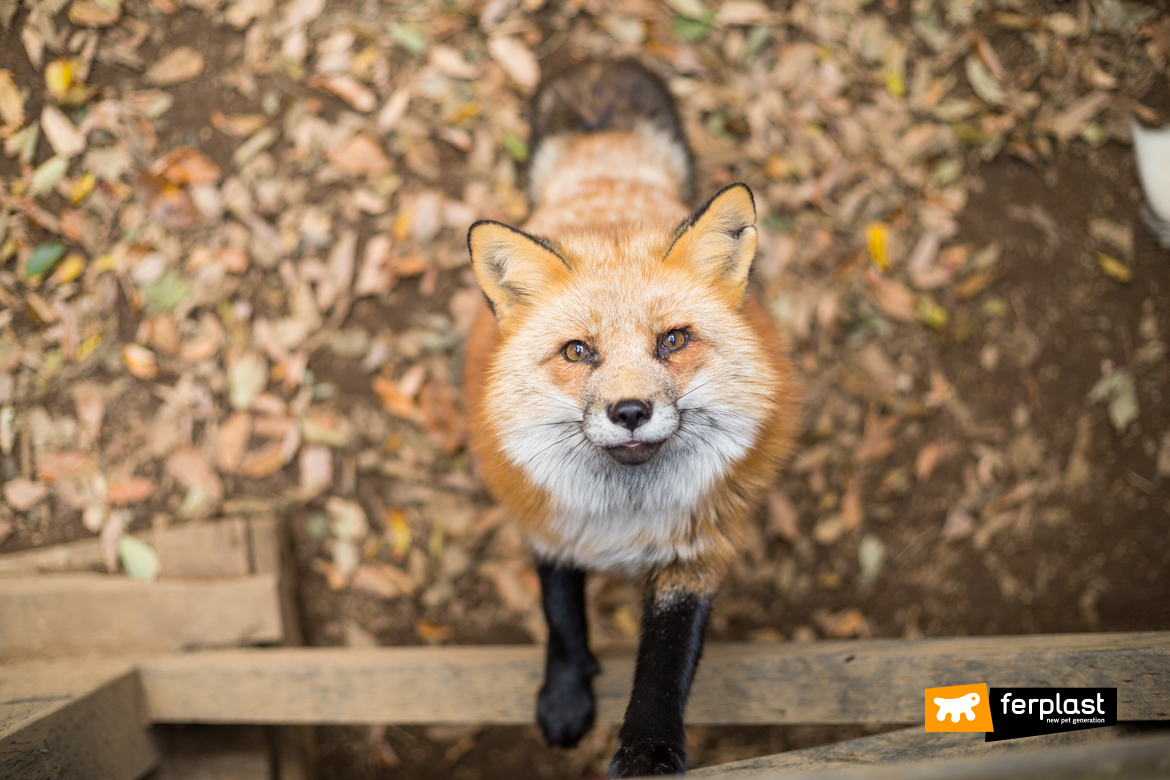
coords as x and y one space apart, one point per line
629 397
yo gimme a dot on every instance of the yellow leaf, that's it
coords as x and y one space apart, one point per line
59 78
81 188
86 347
69 269
398 533
895 84
930 313
877 238
1114 268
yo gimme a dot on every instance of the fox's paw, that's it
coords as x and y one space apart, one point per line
565 706
640 759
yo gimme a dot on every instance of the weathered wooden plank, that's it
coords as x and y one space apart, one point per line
1129 757
197 550
272 554
77 719
819 682
904 746
74 614
214 753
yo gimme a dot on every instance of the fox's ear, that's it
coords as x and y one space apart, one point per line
512 267
719 240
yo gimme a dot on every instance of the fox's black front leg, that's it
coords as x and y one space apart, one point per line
565 707
653 739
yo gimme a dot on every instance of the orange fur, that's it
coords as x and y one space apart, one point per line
617 274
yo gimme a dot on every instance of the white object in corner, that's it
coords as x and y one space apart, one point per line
1152 149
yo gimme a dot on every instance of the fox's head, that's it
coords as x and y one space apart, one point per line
627 364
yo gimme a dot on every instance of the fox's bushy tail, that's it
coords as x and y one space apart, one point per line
599 96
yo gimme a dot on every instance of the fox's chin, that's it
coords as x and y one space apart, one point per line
634 454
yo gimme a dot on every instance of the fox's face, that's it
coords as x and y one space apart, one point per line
626 365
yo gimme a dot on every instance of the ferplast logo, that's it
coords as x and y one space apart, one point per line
958 708
1012 713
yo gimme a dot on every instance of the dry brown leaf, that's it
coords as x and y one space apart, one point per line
316 470
190 468
349 89
181 64
441 418
232 442
382 579
65 139
892 298
450 62
376 275
929 457
130 491
87 13
204 344
53 467
846 623
394 400
239 126
339 270
140 361
1069 123
361 155
263 462
23 494
782 516
878 440
186 165
11 104
516 59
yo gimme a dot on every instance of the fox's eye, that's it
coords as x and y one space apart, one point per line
575 351
675 339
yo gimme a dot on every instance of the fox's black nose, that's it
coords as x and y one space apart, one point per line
630 412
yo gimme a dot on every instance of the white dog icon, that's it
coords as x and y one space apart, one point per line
963 705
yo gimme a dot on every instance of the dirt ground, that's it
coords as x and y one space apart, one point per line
987 443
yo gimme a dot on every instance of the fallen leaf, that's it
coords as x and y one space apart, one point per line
929 457
65 139
394 400
1068 123
782 516
190 468
182 64
349 89
232 442
361 155
316 470
449 61
1116 389
88 13
247 378
263 462
846 623
877 239
186 165
130 491
11 104
138 558
892 298
140 361
382 579
871 556
239 126
1113 268
516 59
441 418
23 494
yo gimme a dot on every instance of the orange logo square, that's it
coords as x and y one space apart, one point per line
958 708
